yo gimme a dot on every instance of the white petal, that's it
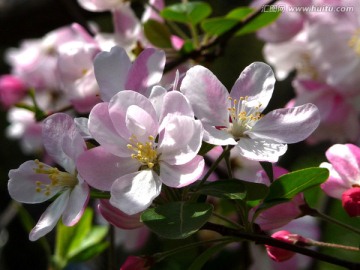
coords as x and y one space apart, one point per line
133 193
182 175
50 217
216 136
289 125
261 149
176 103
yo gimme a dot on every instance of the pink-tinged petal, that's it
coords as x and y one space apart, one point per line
133 193
62 140
146 71
182 175
22 183
255 82
76 205
334 186
140 123
180 139
50 217
100 169
261 149
126 25
156 98
103 131
118 108
176 103
111 70
289 125
345 159
279 254
118 218
99 5
207 95
217 136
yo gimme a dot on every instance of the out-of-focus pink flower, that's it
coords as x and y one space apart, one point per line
236 119
36 182
134 163
281 214
279 254
344 180
101 5
339 119
136 263
114 71
118 218
351 201
12 90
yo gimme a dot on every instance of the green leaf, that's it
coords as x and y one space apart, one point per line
289 185
188 13
158 34
260 21
239 13
206 255
177 220
218 26
234 189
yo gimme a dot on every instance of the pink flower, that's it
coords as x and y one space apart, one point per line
281 214
344 180
114 71
134 262
279 254
12 90
101 5
351 201
236 119
141 149
36 182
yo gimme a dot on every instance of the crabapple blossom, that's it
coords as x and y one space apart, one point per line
114 71
344 180
36 182
12 90
279 254
236 118
141 149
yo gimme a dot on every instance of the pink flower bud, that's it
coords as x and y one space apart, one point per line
12 90
279 254
351 201
134 262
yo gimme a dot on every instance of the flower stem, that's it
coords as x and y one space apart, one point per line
315 213
212 168
311 242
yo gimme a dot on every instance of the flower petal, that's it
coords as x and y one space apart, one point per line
140 123
176 103
289 125
255 82
207 95
216 136
261 149
334 186
119 105
76 205
62 140
111 70
22 183
180 139
156 98
146 71
133 193
100 169
345 158
50 217
182 175
102 129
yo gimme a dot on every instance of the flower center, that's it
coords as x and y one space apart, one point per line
243 116
145 153
354 42
58 179
305 68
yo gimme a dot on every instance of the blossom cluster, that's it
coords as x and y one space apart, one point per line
108 121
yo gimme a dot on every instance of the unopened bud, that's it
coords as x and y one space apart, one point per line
351 201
